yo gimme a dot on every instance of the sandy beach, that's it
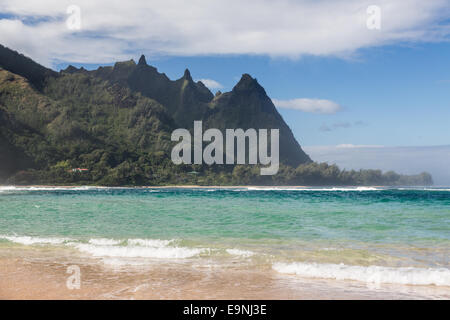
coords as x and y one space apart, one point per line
42 274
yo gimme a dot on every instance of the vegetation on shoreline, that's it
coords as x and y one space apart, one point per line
165 173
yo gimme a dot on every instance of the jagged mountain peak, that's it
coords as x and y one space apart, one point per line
70 69
248 83
187 75
247 78
128 63
142 61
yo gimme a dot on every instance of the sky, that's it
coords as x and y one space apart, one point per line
369 75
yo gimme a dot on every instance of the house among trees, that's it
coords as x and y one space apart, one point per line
79 170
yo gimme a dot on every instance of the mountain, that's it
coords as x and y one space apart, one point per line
248 106
19 64
117 121
119 113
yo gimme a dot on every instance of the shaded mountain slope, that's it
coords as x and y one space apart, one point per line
19 64
248 106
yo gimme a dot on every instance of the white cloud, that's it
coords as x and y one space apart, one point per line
309 105
287 28
353 146
341 125
406 160
211 84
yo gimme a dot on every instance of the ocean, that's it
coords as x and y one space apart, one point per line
370 237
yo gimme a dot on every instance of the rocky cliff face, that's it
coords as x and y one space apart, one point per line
248 106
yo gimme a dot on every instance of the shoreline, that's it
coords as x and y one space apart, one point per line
37 274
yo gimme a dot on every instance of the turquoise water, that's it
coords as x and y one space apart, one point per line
288 228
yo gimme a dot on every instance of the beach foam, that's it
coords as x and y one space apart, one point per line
272 189
7 188
241 253
136 248
370 274
424 189
104 242
138 251
80 188
26 240
104 247
150 242
314 189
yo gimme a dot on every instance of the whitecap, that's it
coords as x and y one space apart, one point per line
150 242
104 242
313 189
369 274
138 251
27 240
238 252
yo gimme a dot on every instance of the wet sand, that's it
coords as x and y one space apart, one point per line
42 274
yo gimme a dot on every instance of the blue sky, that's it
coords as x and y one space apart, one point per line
335 81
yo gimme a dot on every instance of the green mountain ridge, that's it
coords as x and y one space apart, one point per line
116 122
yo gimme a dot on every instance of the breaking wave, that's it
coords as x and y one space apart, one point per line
370 274
81 188
314 189
103 247
241 253
138 251
26 240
